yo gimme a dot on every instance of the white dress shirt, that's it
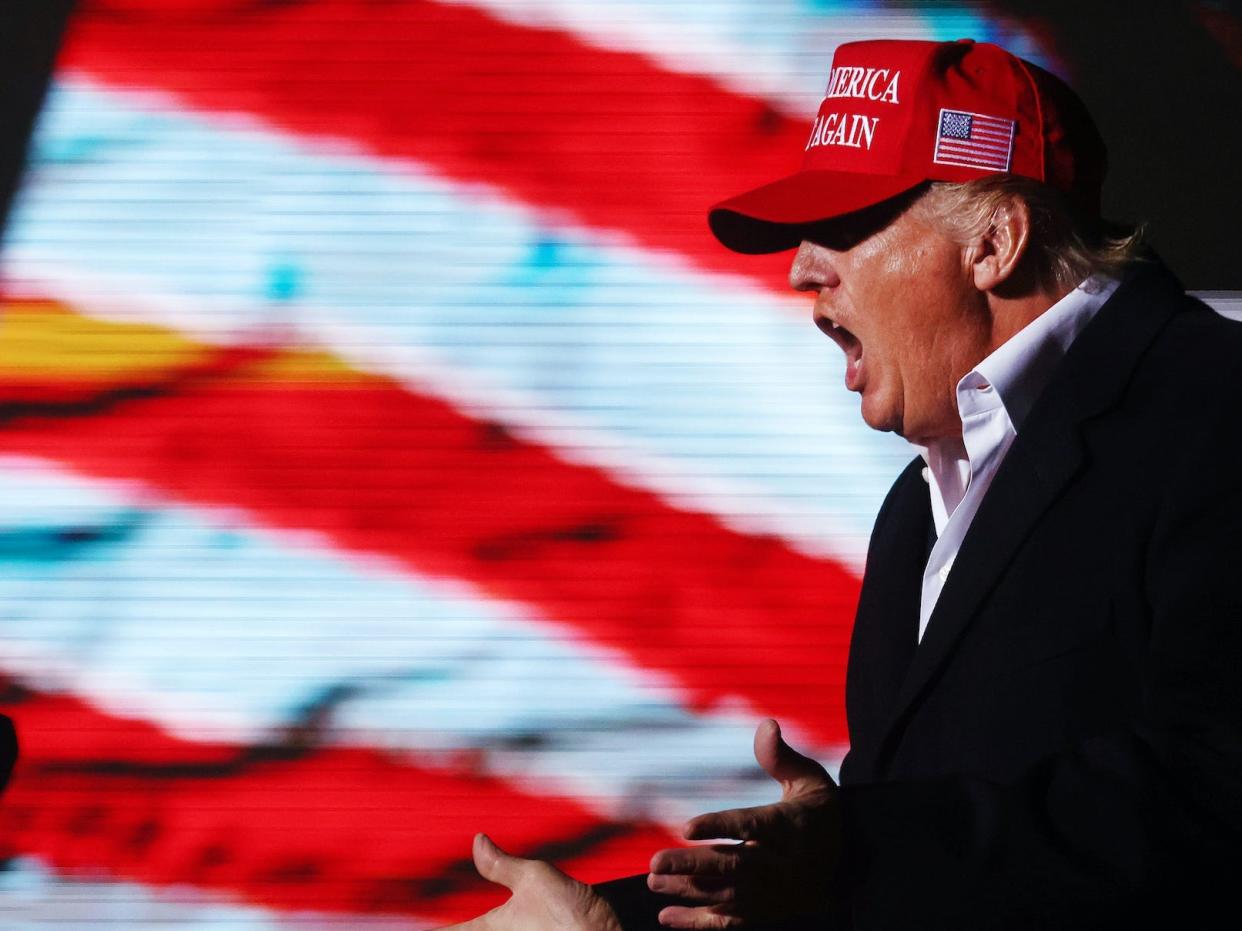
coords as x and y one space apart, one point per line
993 400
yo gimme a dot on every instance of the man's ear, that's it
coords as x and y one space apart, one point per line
1000 249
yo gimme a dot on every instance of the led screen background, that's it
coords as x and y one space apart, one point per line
388 452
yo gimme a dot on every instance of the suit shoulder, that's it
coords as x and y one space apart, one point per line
907 483
1197 358
1195 321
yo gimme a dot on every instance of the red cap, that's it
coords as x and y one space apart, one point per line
898 113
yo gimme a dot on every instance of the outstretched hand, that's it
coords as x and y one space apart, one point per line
544 898
784 857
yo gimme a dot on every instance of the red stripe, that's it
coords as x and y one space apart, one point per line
379 469
609 136
293 827
974 144
950 158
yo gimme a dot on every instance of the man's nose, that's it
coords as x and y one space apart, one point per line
812 269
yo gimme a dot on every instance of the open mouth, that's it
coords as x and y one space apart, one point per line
851 345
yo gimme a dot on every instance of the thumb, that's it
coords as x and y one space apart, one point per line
782 762
493 863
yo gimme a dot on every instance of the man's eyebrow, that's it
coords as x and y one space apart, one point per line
849 230
852 228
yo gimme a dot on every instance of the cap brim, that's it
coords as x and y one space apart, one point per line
774 217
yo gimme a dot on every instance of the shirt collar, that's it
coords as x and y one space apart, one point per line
1020 368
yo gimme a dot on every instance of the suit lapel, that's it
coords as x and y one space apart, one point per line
1027 483
1046 455
886 625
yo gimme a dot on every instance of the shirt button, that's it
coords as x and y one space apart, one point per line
944 574
926 476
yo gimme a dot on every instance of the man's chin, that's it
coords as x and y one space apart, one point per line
880 416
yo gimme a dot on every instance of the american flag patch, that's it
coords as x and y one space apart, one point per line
973 140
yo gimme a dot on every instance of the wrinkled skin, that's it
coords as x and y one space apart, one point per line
544 898
782 858
911 298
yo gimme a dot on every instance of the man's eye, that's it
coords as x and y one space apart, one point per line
842 234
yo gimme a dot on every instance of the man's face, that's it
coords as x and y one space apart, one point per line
898 297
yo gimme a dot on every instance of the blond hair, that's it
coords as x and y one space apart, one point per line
1064 246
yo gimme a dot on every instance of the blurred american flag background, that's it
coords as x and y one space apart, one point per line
389 453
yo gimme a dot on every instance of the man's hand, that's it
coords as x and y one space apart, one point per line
544 898
785 857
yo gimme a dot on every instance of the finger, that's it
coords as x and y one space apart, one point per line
678 916
493 863
781 761
719 860
740 823
703 889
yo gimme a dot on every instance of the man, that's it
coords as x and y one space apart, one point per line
1044 703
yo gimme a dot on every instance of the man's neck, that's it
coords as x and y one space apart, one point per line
1012 314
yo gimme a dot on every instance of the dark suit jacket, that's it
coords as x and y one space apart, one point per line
1063 748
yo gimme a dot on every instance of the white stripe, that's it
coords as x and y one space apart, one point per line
181 617
971 152
779 49
959 145
985 160
983 143
996 124
999 166
985 135
706 389
34 897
